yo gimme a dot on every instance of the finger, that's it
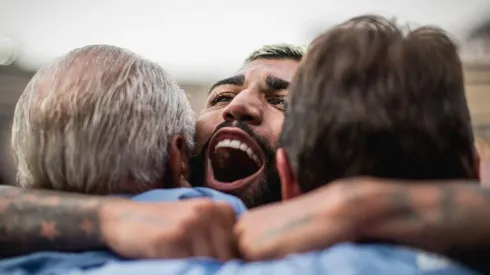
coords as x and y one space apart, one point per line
222 241
222 233
175 247
201 238
228 214
168 251
239 226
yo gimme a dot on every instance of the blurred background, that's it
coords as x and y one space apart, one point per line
198 42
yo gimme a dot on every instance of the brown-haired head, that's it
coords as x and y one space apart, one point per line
372 100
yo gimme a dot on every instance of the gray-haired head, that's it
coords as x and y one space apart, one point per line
99 120
277 51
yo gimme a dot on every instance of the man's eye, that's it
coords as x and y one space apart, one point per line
221 98
277 101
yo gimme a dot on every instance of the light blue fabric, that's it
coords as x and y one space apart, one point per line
342 259
348 259
177 194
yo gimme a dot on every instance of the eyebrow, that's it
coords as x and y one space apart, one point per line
275 83
237 80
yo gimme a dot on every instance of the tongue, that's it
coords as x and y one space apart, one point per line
231 164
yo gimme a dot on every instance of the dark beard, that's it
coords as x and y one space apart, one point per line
266 190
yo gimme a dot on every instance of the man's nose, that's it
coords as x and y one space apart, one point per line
246 106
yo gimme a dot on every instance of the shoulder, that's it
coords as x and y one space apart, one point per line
176 194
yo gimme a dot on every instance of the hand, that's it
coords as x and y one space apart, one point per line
196 227
312 221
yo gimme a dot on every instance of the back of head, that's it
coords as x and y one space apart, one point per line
371 100
98 120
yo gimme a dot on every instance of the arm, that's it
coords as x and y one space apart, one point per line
35 220
451 218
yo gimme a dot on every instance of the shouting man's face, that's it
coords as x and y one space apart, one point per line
238 131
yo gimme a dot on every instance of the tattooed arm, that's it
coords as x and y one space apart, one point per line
34 220
450 218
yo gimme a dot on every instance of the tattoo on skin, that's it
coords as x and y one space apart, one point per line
34 220
458 216
292 225
402 202
448 202
469 205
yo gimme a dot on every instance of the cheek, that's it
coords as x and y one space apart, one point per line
275 127
205 126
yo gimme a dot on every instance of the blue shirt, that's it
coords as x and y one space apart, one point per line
341 259
177 194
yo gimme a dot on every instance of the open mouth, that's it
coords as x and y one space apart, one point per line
234 159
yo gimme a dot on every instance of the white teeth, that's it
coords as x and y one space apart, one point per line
244 147
226 142
236 144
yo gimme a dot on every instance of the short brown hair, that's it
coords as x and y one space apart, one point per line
370 100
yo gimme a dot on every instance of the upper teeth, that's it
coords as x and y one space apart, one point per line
236 144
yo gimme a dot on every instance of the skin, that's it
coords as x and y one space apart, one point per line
249 97
31 221
484 152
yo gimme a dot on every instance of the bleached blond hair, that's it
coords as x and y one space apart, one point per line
277 51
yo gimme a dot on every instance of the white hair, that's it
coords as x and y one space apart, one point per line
99 120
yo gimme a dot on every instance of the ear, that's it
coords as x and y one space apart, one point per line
290 187
479 166
178 162
482 164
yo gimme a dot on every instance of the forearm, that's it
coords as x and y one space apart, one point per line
35 220
450 218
